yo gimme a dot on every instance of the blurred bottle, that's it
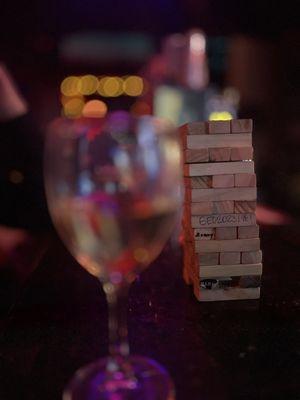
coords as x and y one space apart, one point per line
186 93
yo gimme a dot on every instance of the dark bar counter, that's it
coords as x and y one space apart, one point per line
237 350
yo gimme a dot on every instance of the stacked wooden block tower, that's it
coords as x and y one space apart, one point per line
222 256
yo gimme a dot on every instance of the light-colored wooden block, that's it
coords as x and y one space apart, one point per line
194 128
208 258
220 246
227 294
219 140
241 125
223 207
223 181
241 153
220 168
230 258
204 234
210 207
219 127
201 208
244 180
197 195
248 232
222 220
219 154
196 156
228 232
244 206
251 257
215 271
198 182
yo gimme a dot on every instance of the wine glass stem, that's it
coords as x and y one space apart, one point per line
117 297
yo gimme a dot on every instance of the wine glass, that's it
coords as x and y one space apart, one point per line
113 188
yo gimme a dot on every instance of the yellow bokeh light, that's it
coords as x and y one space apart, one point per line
220 116
70 85
73 108
64 99
110 86
94 109
133 85
88 85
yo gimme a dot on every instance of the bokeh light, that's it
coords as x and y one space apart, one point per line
220 116
110 86
133 85
70 85
73 108
16 176
141 108
64 99
106 86
94 109
88 85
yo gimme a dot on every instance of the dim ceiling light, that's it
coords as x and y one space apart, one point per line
69 86
94 109
220 116
73 108
88 84
133 85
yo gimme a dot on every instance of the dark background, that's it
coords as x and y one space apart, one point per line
235 351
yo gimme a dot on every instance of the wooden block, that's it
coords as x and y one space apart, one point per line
225 233
241 125
251 257
209 207
244 180
222 220
220 168
244 207
194 128
248 232
230 258
219 154
220 140
219 246
197 195
204 234
198 182
194 156
227 294
223 207
223 181
201 208
208 258
241 153
219 127
215 271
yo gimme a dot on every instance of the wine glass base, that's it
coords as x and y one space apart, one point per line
136 378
